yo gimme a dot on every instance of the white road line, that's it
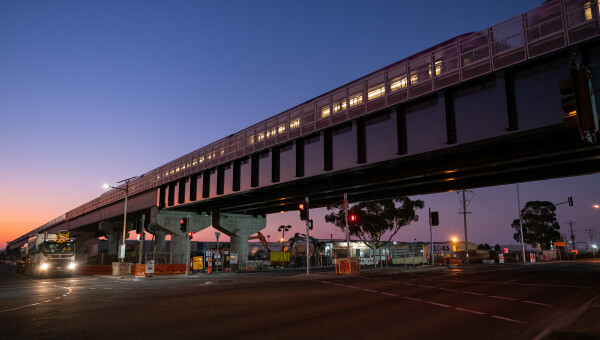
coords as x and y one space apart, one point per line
352 287
438 304
425 286
537 303
469 311
390 294
47 301
372 291
507 319
325 281
409 284
472 293
502 297
410 298
394 282
448 289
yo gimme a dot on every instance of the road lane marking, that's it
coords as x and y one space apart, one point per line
472 293
408 284
537 303
426 286
502 297
372 291
469 311
438 304
448 289
390 294
413 299
507 319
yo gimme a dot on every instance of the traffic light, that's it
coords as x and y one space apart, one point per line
303 210
190 235
570 200
435 218
579 103
138 227
352 219
310 224
183 223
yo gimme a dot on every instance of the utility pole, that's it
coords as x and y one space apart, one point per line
572 234
464 212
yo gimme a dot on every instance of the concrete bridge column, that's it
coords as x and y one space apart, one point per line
168 222
113 233
83 242
238 227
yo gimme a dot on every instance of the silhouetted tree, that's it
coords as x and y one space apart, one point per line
539 224
376 218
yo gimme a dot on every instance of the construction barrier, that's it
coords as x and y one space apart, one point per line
159 269
348 265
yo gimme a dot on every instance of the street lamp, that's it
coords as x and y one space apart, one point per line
283 229
126 190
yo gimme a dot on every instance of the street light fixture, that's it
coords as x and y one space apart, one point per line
283 229
126 190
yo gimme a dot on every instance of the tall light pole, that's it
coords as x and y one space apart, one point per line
126 190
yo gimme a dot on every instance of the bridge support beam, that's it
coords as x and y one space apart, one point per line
238 227
84 243
167 222
113 231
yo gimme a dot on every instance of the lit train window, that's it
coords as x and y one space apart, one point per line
201 160
222 152
271 133
295 123
339 106
356 99
376 91
281 128
260 136
251 140
587 9
438 68
414 78
398 83
325 111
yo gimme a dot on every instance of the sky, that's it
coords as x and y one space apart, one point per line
93 92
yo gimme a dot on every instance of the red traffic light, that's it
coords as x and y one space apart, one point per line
352 218
182 221
190 235
303 206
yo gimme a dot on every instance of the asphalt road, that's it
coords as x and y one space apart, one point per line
474 302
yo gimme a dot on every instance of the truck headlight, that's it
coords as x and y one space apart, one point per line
72 265
44 266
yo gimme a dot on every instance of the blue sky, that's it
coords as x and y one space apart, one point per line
98 91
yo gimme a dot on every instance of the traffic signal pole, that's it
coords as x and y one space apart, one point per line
346 222
431 240
307 243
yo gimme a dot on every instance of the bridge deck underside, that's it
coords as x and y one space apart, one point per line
543 154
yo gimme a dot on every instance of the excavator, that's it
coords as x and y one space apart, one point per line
277 258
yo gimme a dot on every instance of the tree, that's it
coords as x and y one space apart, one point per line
376 218
539 224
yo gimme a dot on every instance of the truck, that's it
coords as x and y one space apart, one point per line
47 254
